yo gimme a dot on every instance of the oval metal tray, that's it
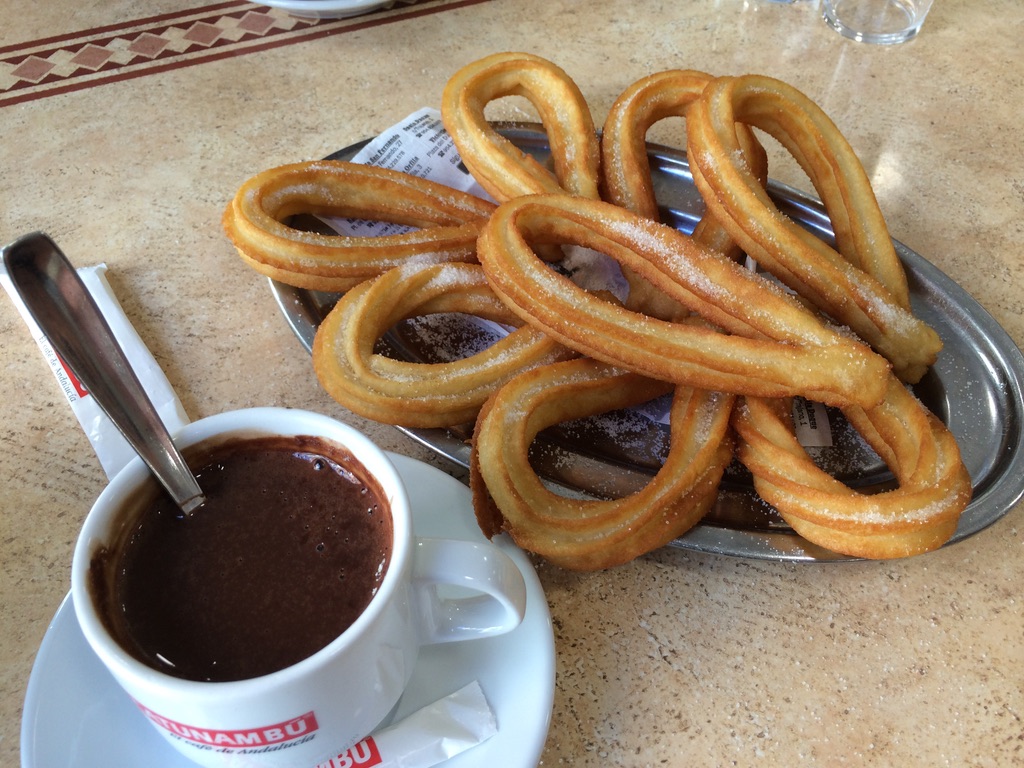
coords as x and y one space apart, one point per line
975 387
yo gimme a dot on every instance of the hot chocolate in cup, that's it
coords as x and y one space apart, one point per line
280 622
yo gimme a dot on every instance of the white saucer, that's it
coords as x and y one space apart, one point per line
75 715
327 9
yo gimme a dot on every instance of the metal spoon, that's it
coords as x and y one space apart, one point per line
62 307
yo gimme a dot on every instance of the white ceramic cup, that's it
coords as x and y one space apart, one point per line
327 702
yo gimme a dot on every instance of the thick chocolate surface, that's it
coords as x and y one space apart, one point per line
287 551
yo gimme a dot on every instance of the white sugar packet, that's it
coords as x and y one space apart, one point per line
110 446
427 737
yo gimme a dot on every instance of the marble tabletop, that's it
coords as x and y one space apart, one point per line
126 128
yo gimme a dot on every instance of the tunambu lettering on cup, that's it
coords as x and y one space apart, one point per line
240 738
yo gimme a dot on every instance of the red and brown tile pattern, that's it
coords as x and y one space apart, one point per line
41 68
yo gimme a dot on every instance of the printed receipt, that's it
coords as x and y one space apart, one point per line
418 146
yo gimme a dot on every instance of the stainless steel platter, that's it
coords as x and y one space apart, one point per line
975 388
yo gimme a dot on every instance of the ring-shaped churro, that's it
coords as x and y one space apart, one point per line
919 515
413 394
589 534
500 167
447 223
625 164
626 168
778 347
861 282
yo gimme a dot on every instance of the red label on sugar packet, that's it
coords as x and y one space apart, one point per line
362 755
65 376
300 727
429 736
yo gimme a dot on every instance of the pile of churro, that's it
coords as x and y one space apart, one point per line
731 345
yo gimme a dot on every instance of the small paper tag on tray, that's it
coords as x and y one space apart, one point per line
812 424
427 737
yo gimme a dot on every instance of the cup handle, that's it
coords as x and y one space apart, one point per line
466 590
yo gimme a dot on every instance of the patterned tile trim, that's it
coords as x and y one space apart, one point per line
73 62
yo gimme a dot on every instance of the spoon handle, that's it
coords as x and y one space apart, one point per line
62 307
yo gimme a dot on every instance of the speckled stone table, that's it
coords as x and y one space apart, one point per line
126 128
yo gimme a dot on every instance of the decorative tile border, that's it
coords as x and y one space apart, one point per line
55 65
